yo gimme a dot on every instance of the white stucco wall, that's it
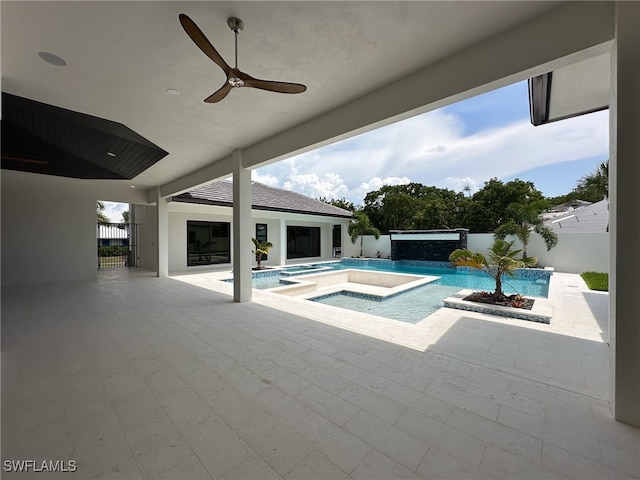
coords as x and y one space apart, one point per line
49 226
145 217
575 252
180 213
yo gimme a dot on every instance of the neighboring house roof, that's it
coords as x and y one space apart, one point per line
589 219
263 197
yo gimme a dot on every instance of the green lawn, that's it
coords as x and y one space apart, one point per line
596 280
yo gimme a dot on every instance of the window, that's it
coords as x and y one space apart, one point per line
303 242
337 236
261 236
208 243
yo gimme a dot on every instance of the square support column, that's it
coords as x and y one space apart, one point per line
162 235
282 224
624 178
242 245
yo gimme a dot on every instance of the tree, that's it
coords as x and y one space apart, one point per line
340 203
102 218
262 248
500 261
590 188
489 205
523 220
414 206
594 186
125 216
360 227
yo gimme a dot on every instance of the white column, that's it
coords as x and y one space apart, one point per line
346 240
162 235
624 178
242 245
282 246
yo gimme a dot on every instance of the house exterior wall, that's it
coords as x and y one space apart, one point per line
49 226
180 213
145 216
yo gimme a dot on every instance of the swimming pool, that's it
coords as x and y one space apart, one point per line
410 307
415 304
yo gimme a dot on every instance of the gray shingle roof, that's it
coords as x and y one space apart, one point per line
589 219
263 197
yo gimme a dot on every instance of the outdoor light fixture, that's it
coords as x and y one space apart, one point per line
52 59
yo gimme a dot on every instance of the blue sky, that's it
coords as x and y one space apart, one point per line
466 143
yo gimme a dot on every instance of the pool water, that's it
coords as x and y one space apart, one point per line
463 279
415 304
263 283
410 307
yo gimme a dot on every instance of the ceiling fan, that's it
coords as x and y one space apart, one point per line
235 77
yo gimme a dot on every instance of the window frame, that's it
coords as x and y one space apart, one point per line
207 256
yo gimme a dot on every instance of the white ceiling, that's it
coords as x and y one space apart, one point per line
123 56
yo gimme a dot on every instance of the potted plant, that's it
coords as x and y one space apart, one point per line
262 248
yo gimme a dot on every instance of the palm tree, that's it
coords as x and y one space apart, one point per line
524 220
360 227
595 186
262 248
500 260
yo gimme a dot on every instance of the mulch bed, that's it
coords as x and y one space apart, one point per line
514 301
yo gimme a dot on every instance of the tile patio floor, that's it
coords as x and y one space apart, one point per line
138 377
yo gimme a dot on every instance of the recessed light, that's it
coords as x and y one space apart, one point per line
111 154
52 59
173 91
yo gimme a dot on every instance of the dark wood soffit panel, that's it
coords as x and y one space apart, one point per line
41 138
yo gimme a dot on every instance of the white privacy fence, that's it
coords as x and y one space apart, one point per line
575 252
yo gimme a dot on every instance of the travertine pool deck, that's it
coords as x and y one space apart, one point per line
134 377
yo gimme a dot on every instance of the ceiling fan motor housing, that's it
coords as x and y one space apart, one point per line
235 24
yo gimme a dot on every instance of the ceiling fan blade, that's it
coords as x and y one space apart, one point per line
202 42
220 94
280 87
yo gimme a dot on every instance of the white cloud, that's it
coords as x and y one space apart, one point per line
267 178
376 183
328 185
458 184
433 149
113 211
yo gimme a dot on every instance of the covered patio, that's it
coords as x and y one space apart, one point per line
138 377
150 376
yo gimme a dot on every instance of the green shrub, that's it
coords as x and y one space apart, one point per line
596 280
113 250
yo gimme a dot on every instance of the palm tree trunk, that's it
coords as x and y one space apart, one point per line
361 241
498 294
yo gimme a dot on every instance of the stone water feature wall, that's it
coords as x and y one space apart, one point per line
430 245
